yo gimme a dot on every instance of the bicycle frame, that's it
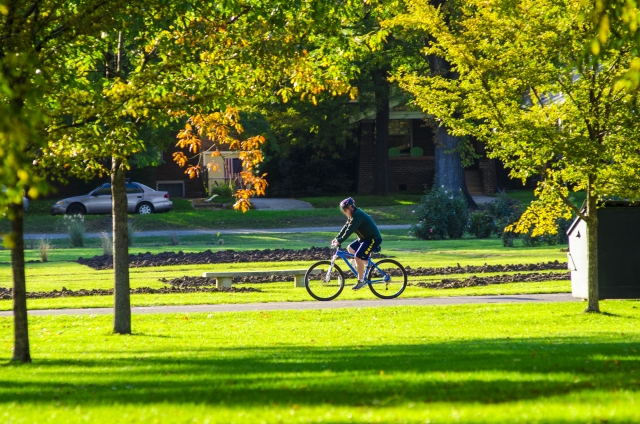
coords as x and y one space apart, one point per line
346 257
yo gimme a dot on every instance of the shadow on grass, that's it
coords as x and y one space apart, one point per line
500 370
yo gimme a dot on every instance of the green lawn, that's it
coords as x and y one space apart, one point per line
534 363
60 272
364 200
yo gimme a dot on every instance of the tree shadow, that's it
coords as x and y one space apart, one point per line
485 371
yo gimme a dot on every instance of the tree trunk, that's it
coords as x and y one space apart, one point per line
449 170
122 297
21 327
593 304
381 148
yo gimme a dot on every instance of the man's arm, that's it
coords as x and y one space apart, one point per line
348 229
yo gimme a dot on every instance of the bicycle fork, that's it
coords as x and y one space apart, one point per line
327 277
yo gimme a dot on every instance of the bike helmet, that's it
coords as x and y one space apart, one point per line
347 202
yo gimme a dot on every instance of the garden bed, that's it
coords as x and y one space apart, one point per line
6 293
149 259
474 280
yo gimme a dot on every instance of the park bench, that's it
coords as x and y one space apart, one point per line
224 279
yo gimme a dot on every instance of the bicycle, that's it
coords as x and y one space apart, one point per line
327 284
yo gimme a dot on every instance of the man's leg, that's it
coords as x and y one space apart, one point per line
359 263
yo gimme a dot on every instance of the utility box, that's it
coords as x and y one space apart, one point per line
618 252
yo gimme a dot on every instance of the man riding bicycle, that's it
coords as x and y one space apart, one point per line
369 237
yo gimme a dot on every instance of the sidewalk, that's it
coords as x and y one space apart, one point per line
297 306
161 233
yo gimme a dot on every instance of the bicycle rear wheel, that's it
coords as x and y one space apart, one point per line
388 279
323 284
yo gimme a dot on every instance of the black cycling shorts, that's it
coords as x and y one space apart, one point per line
365 247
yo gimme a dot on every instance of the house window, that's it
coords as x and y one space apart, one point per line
174 188
400 136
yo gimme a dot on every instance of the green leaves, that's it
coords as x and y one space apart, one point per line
525 89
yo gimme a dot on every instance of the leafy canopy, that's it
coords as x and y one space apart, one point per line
528 91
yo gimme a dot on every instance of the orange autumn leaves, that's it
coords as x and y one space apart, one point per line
223 128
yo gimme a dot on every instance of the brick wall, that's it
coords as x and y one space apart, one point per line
170 171
406 173
488 176
423 137
412 174
365 157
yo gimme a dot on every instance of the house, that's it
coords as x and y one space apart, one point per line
412 156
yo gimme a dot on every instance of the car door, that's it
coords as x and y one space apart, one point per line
100 200
134 196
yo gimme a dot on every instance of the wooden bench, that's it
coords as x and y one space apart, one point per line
224 279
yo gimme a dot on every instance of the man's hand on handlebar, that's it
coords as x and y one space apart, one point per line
335 243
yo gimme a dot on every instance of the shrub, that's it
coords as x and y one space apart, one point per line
75 229
222 190
505 211
441 214
508 237
106 244
44 248
481 224
563 226
174 240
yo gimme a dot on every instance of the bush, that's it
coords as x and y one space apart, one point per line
75 229
505 211
508 237
222 190
106 244
481 224
563 226
44 248
441 214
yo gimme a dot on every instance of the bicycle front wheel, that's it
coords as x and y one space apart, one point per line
387 279
324 282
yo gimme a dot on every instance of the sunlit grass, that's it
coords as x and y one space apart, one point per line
534 363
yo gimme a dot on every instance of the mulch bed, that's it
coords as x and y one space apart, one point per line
480 269
6 293
188 281
456 283
208 257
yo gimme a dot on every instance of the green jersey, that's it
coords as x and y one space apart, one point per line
362 224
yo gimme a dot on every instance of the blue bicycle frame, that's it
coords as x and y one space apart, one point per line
346 257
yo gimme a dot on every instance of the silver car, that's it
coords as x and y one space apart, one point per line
25 200
141 199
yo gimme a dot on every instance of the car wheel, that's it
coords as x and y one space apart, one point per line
145 209
76 209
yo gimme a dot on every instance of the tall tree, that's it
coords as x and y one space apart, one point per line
526 88
34 37
167 61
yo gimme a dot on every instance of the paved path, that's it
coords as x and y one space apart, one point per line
275 204
214 232
298 306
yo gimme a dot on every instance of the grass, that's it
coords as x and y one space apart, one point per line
525 197
533 363
364 200
184 217
60 272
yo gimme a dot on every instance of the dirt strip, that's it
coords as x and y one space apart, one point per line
474 280
6 293
149 259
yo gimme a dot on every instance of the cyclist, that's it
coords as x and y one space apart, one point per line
369 237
